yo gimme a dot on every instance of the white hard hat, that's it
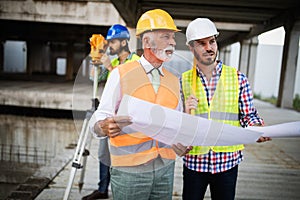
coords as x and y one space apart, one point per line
200 28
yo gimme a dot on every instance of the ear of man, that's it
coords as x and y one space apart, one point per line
123 43
146 41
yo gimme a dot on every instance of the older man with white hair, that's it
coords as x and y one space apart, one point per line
142 168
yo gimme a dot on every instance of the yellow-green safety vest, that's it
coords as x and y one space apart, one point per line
224 106
115 62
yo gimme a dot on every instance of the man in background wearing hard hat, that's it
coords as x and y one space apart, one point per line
217 92
142 168
117 37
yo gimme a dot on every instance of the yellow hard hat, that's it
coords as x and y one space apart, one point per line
154 20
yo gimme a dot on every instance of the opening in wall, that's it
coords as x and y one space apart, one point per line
15 56
61 65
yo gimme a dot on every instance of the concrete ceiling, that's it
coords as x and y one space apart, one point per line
236 20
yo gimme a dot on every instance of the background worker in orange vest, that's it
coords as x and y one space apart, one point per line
117 37
142 168
218 92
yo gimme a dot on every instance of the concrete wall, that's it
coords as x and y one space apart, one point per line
33 147
97 13
268 67
34 140
70 12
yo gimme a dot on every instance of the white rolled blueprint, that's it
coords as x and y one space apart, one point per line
289 129
173 127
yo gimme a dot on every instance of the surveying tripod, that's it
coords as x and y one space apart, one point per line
82 149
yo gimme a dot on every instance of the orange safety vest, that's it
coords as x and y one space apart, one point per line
132 149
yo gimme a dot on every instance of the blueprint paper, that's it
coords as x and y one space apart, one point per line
290 129
173 127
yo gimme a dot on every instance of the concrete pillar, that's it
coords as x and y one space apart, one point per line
247 61
252 60
289 65
34 57
38 57
29 57
244 56
70 61
1 55
133 40
224 54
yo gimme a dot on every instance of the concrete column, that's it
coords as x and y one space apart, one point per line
133 40
29 57
34 61
289 65
1 55
70 61
244 56
224 54
252 60
135 44
248 58
38 57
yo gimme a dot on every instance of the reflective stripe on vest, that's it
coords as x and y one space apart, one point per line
223 108
220 116
136 148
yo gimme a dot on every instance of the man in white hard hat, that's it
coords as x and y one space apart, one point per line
217 92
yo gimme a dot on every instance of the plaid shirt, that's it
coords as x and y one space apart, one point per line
215 162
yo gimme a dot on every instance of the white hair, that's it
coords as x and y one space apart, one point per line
149 34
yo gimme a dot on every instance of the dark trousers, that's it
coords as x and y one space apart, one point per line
104 166
104 178
222 185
